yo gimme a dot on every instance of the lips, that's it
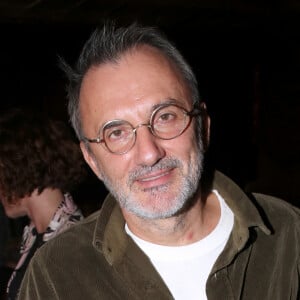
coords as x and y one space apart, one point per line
155 179
154 176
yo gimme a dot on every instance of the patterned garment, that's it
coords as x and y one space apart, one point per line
66 215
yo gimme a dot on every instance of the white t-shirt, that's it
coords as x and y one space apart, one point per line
185 269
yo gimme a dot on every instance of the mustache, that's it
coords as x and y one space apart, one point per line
164 164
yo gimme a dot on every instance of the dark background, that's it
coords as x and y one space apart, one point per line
245 55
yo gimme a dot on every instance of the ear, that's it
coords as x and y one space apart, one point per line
205 126
90 159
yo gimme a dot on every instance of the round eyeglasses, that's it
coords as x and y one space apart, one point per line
167 122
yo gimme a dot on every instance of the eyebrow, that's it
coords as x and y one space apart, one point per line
112 123
166 101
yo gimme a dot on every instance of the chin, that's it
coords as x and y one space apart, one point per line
157 213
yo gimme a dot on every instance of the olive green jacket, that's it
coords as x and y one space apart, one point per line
96 259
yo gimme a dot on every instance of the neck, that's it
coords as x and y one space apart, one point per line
42 207
186 228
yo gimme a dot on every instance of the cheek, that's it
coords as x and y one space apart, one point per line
10 210
115 167
4 203
183 146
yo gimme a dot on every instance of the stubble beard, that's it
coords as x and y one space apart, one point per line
130 201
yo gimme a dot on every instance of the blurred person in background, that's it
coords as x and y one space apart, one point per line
3 235
40 164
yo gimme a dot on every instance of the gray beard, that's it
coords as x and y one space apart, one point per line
186 190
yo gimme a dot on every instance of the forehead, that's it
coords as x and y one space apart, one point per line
139 80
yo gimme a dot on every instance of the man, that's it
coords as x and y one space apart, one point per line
161 233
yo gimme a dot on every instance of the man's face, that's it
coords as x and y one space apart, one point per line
156 177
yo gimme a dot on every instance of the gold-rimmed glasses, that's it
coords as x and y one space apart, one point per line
167 122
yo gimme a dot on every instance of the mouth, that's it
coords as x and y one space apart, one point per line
155 179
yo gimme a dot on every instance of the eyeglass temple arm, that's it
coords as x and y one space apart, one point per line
96 140
196 111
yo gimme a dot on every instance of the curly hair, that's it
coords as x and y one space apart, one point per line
37 153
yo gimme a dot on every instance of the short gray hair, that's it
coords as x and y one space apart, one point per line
107 44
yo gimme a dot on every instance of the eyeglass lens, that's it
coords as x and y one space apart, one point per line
167 122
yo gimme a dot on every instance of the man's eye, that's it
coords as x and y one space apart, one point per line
118 133
115 134
166 117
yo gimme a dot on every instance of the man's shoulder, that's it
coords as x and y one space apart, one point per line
79 235
279 205
277 211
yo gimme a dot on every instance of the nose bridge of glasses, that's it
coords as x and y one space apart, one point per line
142 125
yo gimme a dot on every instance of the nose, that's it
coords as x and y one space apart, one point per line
147 147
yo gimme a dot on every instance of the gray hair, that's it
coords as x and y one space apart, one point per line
107 44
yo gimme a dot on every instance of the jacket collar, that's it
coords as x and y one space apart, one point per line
245 212
246 216
111 239
109 231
